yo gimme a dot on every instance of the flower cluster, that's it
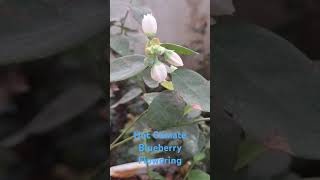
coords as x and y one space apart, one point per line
153 51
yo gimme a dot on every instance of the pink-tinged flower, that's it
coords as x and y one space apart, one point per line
159 72
196 106
149 25
173 58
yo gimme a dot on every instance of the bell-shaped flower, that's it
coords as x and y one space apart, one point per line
173 58
159 72
149 25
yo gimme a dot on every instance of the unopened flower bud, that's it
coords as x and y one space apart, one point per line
173 58
159 72
149 25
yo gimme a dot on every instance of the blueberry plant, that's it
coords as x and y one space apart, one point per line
178 98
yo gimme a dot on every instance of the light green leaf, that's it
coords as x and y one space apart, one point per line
199 157
133 93
148 97
178 49
193 88
125 67
168 85
198 174
248 151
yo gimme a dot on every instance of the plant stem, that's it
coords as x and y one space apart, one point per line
127 129
194 163
193 122
189 170
115 143
121 142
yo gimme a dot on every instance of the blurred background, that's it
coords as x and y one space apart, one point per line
298 22
52 72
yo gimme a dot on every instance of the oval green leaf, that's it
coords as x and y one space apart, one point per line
126 67
193 88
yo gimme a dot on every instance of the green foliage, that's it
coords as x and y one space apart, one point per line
248 151
178 49
198 174
165 111
192 87
199 157
126 67
120 44
271 88
148 97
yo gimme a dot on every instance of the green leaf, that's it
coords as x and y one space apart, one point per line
168 85
187 109
138 12
62 109
269 85
126 67
120 44
199 157
148 80
193 88
45 33
166 110
133 93
178 49
148 97
248 151
269 164
198 174
156 176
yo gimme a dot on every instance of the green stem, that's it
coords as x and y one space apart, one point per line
193 163
189 170
127 129
121 142
115 143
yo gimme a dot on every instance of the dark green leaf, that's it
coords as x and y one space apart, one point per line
269 85
194 88
126 67
248 152
178 49
198 174
120 44
166 110
148 97
62 109
156 176
45 33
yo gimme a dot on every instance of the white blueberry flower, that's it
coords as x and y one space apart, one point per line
159 72
149 25
173 58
